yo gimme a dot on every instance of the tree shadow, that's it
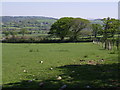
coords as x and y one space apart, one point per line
100 75
77 76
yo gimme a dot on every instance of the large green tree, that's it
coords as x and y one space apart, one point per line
61 27
78 24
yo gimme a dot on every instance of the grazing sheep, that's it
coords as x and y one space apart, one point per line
51 68
63 87
59 78
25 71
41 62
101 60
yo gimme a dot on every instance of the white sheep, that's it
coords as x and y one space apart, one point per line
25 71
59 78
51 68
41 61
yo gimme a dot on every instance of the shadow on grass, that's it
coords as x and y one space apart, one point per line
77 76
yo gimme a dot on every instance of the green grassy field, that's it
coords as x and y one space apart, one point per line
79 65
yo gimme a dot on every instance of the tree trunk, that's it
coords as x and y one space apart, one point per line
117 44
75 38
62 38
95 35
106 44
103 44
109 46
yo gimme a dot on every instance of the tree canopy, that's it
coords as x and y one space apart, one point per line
68 26
61 27
78 24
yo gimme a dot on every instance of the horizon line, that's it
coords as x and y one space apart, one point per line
54 17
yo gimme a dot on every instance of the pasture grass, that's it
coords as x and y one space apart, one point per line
80 65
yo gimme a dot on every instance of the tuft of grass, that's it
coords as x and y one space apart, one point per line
37 50
112 52
86 56
30 50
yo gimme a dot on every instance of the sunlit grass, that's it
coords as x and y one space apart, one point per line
22 62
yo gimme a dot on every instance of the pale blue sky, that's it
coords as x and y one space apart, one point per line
61 9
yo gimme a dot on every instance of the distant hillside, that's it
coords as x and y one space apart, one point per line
32 23
97 21
28 22
23 18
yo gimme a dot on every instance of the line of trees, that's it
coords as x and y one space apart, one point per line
72 27
107 33
110 28
110 31
13 33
